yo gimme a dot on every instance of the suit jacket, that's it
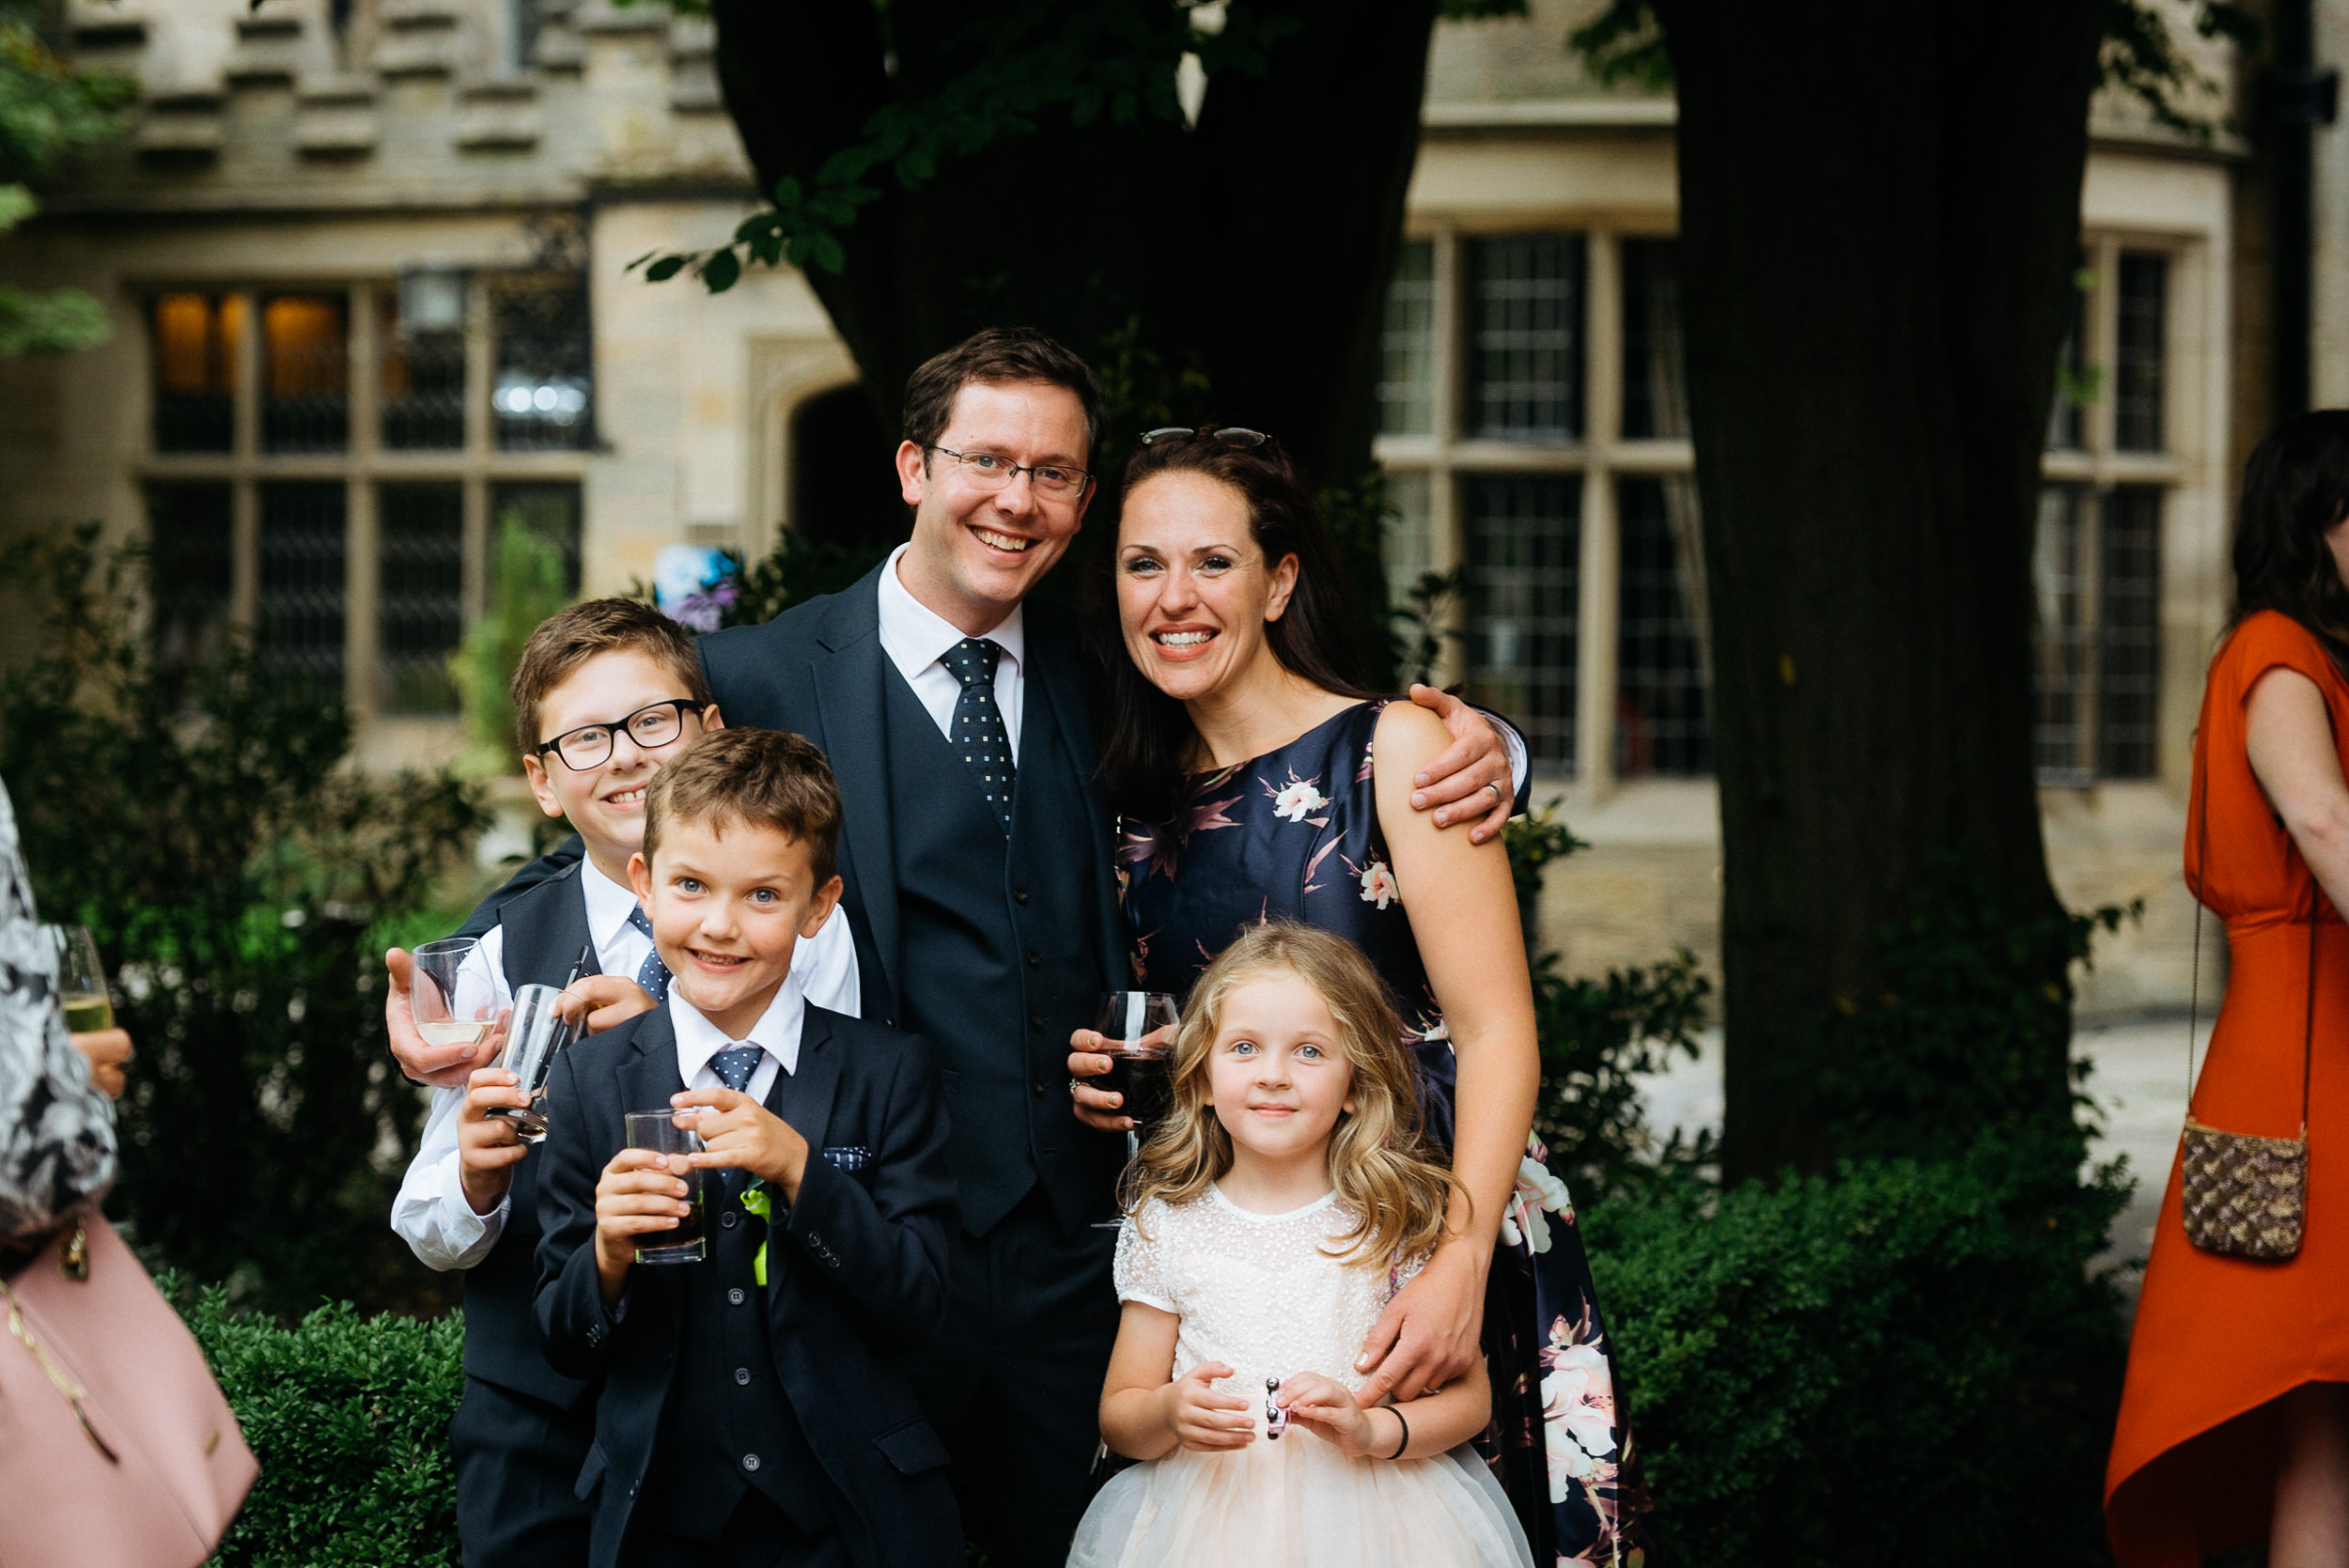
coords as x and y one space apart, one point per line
820 669
856 1277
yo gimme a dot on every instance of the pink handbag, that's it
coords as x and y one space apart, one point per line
117 1447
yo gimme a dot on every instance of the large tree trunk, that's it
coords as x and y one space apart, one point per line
1253 249
1879 209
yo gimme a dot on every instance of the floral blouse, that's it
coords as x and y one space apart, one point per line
56 1131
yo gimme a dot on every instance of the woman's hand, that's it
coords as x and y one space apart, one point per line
1201 1419
1427 1336
1096 1107
1327 1408
107 1051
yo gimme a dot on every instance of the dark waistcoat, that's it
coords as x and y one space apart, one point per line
544 930
998 961
728 1425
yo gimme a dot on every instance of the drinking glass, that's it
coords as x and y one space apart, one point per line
658 1130
81 979
536 1032
452 1006
1137 1028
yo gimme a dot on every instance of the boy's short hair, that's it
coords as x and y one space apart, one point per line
766 778
563 642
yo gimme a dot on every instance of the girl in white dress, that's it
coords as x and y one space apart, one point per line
1270 1216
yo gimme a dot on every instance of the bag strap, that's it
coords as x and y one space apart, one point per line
2194 985
54 1369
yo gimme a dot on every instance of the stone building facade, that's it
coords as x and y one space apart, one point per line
367 261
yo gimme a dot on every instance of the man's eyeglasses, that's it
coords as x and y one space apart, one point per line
990 471
590 745
1230 435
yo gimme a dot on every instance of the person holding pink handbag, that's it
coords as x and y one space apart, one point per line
117 1448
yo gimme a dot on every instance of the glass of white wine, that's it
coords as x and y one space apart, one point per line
81 979
452 1007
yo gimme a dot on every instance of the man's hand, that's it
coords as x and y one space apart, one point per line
107 1051
1470 778
441 1066
738 1133
488 1147
605 999
1203 1420
641 1194
1096 1107
1427 1336
1326 1408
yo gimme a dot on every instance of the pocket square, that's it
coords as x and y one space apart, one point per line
853 1156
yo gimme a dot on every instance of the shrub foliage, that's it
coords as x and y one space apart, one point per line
200 821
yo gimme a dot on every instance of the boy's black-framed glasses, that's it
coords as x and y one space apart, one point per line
992 471
590 745
1230 435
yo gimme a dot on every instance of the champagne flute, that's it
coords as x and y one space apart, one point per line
81 979
1136 1030
452 1006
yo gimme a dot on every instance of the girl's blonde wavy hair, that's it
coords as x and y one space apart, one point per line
1379 1158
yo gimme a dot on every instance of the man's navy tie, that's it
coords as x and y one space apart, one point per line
652 973
734 1067
978 730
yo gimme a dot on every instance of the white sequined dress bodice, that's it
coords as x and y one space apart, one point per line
1258 1292
1266 1294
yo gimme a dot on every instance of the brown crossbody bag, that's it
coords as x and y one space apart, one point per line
2245 1196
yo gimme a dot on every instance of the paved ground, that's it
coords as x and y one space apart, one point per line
2139 1083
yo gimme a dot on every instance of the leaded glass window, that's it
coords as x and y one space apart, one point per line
1524 538
1525 338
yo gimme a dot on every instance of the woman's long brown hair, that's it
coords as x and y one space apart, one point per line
2296 487
1379 1158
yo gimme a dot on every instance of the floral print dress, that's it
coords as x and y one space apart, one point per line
1294 835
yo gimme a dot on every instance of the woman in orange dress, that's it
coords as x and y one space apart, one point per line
2234 1427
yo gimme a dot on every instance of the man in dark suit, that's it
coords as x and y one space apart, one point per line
978 862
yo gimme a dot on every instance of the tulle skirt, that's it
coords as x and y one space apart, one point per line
1298 1501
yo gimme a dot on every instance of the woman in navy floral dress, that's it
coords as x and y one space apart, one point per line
1258 782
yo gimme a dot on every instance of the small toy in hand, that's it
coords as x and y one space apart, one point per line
1275 1419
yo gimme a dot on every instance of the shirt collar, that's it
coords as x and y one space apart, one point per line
916 637
609 905
776 1033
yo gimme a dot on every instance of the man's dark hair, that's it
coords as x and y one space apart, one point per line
995 356
763 778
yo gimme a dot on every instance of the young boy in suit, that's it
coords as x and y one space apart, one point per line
605 693
755 1410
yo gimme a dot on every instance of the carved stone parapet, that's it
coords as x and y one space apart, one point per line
498 125
269 49
602 16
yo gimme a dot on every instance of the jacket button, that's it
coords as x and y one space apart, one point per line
734 1297
1018 895
1036 1020
742 1376
816 1241
750 1461
1037 1087
1035 960
728 1220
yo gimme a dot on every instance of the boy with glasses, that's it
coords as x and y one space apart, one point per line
606 692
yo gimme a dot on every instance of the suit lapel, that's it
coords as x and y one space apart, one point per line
1053 670
849 696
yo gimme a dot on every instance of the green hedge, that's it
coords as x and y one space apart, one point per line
349 1417
1910 1365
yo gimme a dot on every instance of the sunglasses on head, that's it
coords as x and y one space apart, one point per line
1230 435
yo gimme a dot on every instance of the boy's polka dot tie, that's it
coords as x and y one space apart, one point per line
734 1067
978 730
652 974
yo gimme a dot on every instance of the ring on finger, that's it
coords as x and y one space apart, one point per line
1498 797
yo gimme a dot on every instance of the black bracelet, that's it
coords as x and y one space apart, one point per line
1406 1433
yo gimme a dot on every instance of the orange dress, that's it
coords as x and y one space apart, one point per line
2218 1339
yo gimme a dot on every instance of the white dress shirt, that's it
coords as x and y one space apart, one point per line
916 638
776 1034
431 1214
